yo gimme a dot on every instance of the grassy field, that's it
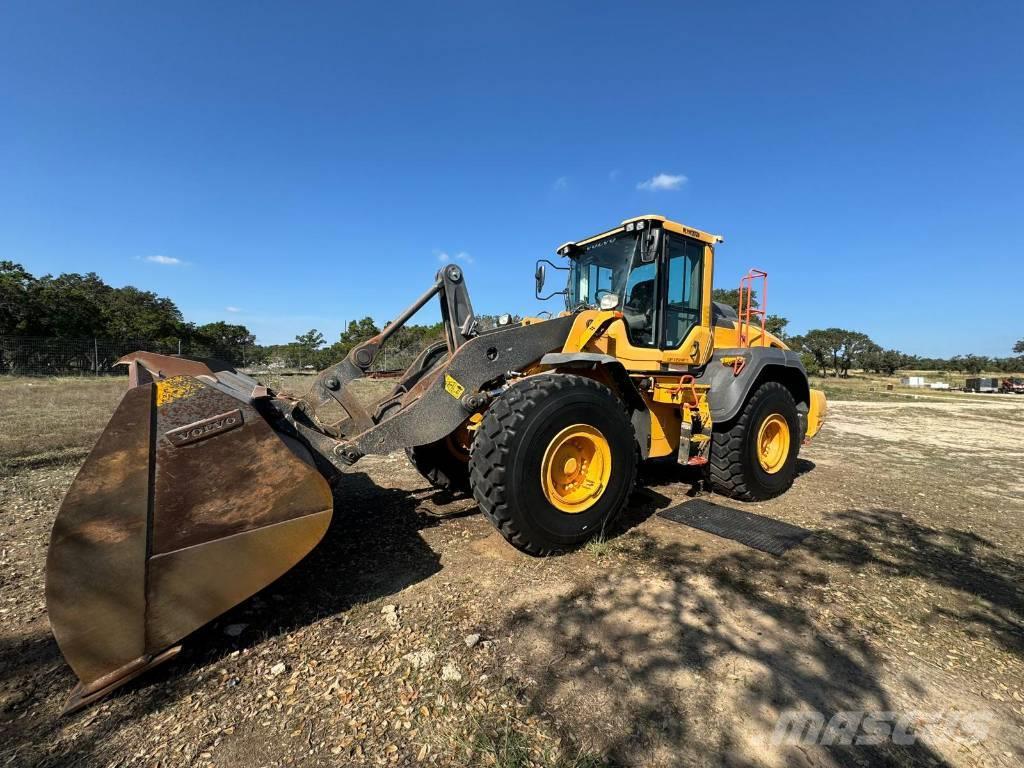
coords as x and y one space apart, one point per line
56 419
863 386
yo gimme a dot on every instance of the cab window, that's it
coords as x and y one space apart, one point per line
639 306
682 308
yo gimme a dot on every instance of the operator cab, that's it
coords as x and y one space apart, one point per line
650 269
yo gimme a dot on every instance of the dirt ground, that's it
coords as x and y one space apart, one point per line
408 639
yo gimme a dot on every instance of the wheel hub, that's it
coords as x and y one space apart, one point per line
773 443
575 470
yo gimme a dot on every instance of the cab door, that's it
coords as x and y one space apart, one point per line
685 332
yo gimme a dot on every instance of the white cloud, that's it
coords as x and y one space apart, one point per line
444 257
613 174
663 181
232 309
165 260
562 182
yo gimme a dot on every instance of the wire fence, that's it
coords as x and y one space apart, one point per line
49 356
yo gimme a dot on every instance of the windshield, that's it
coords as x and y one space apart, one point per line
600 267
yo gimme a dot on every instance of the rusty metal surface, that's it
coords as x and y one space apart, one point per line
165 366
95 567
137 373
232 482
83 695
191 586
430 412
189 503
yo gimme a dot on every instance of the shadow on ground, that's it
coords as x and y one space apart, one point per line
372 549
631 657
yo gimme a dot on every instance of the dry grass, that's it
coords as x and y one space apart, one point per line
45 420
876 387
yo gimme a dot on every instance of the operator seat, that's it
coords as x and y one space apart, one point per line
638 311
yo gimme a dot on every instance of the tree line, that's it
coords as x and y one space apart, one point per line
77 306
836 351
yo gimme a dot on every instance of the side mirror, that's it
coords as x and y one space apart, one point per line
541 274
653 243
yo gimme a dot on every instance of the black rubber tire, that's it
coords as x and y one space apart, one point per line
734 469
508 450
439 467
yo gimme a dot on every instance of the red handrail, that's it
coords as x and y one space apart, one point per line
746 308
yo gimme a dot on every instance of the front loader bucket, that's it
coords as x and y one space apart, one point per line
189 503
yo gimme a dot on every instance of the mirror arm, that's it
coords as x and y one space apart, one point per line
540 283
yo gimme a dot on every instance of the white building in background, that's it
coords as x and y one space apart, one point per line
939 385
913 381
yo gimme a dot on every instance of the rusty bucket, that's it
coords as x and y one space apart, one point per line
189 503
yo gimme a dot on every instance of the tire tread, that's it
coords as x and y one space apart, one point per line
491 447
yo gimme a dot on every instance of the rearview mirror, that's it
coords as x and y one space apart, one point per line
539 277
650 250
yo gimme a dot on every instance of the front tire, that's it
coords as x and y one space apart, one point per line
553 462
753 457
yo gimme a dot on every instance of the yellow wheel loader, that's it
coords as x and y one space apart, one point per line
206 486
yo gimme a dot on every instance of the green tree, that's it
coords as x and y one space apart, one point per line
870 358
820 345
355 333
776 325
311 340
15 288
358 331
731 296
853 344
970 363
835 348
1018 348
224 340
892 361
129 312
69 306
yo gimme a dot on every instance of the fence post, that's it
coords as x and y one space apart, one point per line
179 347
95 356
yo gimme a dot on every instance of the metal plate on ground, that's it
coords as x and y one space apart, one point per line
755 531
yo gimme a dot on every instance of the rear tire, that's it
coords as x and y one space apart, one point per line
520 465
737 466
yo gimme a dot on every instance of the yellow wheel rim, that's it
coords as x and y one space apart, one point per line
773 443
576 468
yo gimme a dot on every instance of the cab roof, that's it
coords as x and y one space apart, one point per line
668 224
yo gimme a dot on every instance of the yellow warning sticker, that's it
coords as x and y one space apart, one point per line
175 388
452 387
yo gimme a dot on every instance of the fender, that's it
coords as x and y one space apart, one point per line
591 359
729 391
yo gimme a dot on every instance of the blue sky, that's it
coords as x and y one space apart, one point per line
307 163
